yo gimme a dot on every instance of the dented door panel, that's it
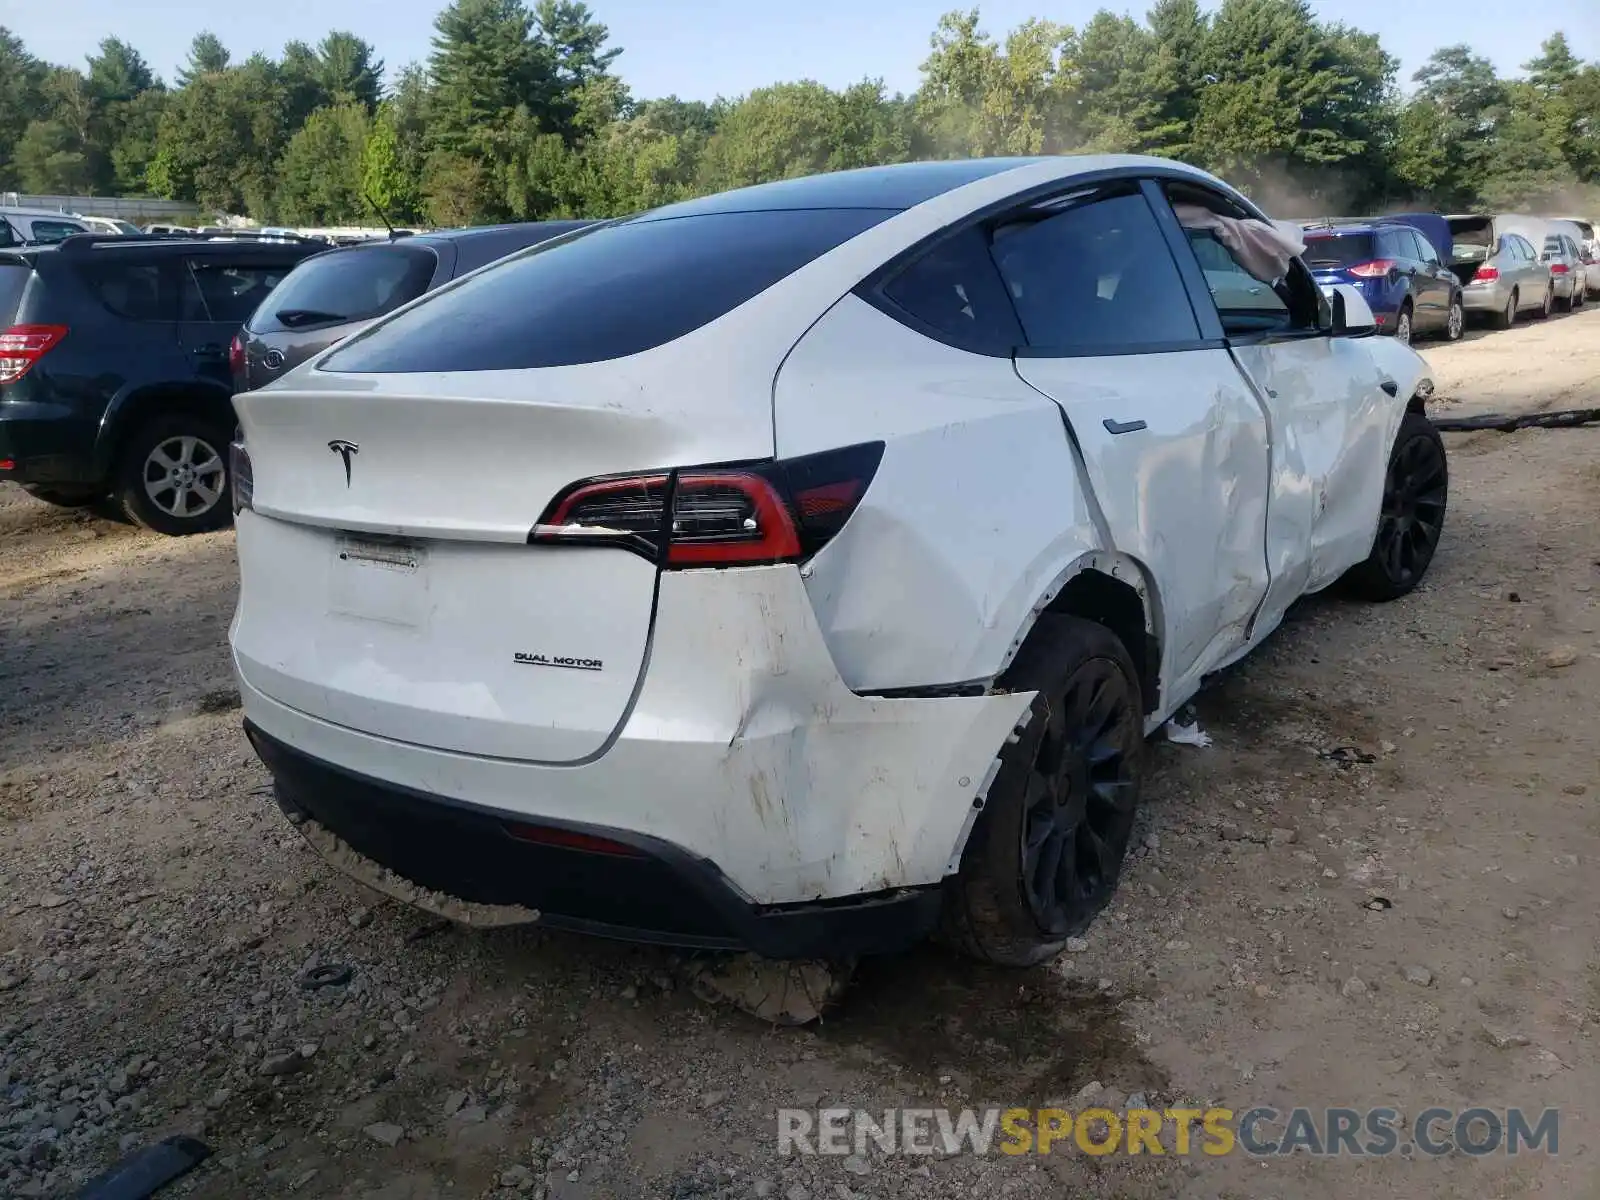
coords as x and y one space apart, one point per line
1175 449
1330 430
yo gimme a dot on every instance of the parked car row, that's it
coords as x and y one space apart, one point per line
1427 273
119 355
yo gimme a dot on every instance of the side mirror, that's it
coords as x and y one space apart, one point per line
1352 316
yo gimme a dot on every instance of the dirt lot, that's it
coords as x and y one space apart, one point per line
159 913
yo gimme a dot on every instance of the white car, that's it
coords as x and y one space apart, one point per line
798 567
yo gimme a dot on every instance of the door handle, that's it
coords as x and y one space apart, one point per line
209 350
1123 426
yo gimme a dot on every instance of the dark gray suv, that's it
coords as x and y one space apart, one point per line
334 294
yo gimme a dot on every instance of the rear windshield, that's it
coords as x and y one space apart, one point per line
13 282
618 290
1325 250
352 285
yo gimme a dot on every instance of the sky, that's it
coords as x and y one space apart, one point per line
699 49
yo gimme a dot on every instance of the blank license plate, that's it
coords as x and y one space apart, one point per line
380 580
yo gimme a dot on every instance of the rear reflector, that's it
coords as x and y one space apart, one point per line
236 357
243 474
567 839
1376 269
773 512
23 345
1486 274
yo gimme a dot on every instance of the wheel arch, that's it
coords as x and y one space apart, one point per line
1114 590
134 405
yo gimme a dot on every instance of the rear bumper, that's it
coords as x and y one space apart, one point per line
45 443
1485 297
743 750
639 889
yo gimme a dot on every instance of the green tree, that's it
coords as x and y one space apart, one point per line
207 56
321 173
118 73
390 177
220 138
349 71
21 78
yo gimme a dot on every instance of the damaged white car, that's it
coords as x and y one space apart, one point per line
802 567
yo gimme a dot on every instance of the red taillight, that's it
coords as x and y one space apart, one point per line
774 512
1486 274
568 839
1375 269
236 356
23 345
1558 268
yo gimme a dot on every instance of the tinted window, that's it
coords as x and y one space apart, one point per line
1097 276
1332 251
482 249
227 293
350 285
955 290
1425 250
131 290
617 291
1393 243
1245 303
13 282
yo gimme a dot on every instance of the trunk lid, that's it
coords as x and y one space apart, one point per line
386 580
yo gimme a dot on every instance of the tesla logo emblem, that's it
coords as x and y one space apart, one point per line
346 451
273 359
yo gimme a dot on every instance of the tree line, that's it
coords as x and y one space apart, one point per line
518 113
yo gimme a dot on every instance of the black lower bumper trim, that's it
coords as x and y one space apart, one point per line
637 888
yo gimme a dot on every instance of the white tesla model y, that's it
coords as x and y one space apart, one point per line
801 567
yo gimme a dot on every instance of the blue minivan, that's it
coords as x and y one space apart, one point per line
1399 269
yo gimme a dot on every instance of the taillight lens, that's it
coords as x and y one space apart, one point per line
1558 268
769 513
243 475
1486 274
236 357
1376 269
23 345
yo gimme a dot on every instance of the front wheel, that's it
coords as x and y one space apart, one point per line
1456 323
172 475
1047 850
1416 491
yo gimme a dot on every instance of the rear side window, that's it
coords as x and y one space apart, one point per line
1338 250
125 289
350 285
13 282
224 292
1096 278
955 291
47 232
617 291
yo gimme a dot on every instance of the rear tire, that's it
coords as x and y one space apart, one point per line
65 497
1566 305
1416 492
1549 305
1047 850
1403 324
172 475
1507 318
1456 323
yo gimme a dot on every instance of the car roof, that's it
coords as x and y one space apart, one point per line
472 232
12 211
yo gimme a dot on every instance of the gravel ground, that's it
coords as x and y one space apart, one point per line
1296 928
